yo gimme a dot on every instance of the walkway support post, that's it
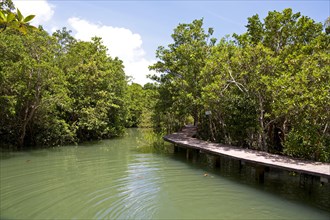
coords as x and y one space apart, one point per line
176 148
195 155
218 162
306 181
260 174
241 164
187 154
192 154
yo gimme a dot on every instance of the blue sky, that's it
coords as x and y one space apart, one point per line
132 30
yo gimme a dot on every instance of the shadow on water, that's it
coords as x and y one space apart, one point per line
43 151
34 152
279 183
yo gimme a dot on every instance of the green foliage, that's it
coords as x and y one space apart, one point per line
152 142
181 64
267 89
56 90
12 20
141 103
307 143
327 25
136 104
30 84
97 87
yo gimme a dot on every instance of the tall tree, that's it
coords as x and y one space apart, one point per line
278 72
97 88
30 81
180 66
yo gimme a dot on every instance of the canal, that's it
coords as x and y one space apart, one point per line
115 179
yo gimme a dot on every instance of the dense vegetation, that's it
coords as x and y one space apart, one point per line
266 89
56 90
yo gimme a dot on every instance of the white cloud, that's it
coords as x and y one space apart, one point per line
43 10
138 70
121 42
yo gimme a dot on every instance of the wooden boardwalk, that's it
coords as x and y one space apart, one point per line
185 139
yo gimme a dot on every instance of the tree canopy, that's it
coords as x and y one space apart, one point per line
266 89
181 65
56 90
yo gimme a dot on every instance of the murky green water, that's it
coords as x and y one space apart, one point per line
113 180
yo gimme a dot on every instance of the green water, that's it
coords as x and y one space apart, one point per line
111 179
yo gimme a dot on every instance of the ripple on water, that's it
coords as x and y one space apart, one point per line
131 196
108 180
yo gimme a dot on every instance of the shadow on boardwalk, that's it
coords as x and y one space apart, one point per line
185 139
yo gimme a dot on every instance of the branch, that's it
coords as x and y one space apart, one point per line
239 85
225 87
325 129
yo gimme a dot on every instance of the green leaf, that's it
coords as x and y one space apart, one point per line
19 15
33 28
29 18
23 29
10 17
2 16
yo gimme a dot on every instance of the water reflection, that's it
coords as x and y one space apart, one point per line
112 180
285 184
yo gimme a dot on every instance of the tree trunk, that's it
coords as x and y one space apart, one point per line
195 116
262 139
28 115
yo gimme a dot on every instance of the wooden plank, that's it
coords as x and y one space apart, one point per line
184 139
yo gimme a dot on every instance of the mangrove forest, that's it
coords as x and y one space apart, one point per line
266 89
